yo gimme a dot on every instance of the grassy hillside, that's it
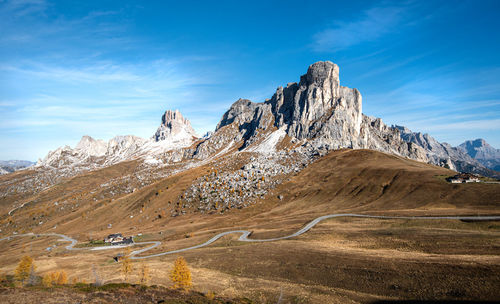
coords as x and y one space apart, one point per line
370 181
339 261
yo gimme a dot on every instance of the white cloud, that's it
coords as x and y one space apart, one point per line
477 125
372 24
18 8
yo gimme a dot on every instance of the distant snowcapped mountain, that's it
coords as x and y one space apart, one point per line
175 132
484 153
9 166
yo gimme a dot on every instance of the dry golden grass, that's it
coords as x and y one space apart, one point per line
339 261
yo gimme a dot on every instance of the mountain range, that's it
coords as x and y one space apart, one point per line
315 115
299 124
9 166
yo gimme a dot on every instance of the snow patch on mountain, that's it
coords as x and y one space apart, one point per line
175 132
268 145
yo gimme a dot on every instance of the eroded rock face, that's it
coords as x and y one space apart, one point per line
376 135
174 127
319 106
323 115
317 109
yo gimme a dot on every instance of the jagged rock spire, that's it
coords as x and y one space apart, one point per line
174 127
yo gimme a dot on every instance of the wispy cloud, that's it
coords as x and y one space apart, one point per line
100 73
451 107
101 98
30 23
373 23
19 8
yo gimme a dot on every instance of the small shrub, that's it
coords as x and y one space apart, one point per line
210 295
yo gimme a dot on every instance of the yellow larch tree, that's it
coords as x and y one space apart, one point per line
55 278
62 278
24 268
127 267
47 280
181 275
145 277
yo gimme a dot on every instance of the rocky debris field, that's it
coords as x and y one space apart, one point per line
222 189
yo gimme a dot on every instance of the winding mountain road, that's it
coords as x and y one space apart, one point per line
245 233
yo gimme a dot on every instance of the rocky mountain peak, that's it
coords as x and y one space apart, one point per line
483 152
91 147
319 72
316 107
302 107
323 115
174 127
170 116
479 148
476 143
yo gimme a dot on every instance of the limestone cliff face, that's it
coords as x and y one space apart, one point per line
317 101
316 107
321 114
174 127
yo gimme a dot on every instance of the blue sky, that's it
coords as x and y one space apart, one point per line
106 68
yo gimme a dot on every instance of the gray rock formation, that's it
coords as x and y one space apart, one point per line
319 107
174 127
323 115
481 151
318 111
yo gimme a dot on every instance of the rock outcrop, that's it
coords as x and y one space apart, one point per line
317 112
175 128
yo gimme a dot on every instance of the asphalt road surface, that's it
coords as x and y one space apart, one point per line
245 233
